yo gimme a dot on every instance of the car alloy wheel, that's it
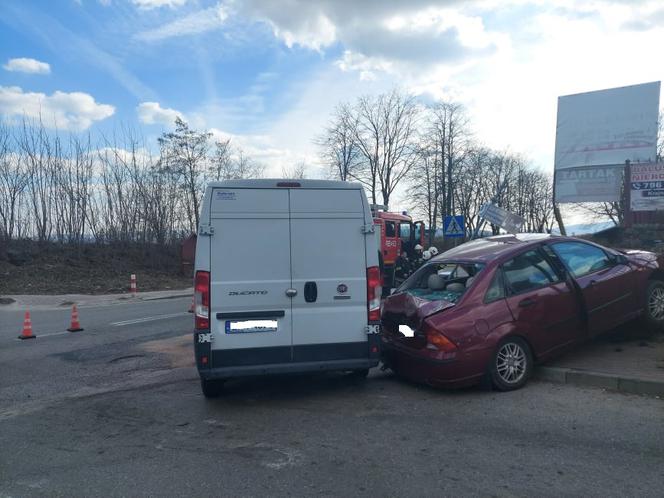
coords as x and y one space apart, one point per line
656 302
511 363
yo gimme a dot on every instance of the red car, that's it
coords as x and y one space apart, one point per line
494 306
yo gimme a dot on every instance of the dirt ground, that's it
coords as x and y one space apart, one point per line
30 268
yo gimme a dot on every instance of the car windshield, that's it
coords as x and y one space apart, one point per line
446 281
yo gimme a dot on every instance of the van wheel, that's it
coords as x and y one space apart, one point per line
512 364
360 373
212 388
654 305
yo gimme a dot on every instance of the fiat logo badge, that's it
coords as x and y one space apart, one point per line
342 288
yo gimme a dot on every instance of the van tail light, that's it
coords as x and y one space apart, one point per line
202 300
436 340
374 291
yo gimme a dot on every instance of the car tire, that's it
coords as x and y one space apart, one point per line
212 388
511 365
654 305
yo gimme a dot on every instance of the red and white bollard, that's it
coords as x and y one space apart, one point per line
132 284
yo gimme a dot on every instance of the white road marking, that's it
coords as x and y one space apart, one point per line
54 333
149 319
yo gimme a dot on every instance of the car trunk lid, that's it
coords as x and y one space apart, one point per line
405 308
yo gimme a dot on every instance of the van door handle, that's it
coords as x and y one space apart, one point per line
310 292
291 292
529 301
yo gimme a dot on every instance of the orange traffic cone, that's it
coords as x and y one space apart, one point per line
75 325
27 328
193 305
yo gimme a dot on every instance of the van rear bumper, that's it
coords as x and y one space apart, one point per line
285 368
226 363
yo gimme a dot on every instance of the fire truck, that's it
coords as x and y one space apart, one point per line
396 233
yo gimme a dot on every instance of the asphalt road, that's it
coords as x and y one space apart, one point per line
116 410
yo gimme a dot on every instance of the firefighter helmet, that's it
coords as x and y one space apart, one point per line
426 255
418 247
433 250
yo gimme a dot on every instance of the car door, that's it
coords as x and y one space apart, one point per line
607 286
545 307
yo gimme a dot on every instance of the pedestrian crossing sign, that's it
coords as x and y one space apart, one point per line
453 226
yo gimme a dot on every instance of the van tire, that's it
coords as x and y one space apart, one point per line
212 388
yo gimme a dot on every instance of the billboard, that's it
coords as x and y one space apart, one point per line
596 130
647 187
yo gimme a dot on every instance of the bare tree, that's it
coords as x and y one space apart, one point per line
295 172
386 137
185 151
13 181
231 163
423 189
339 149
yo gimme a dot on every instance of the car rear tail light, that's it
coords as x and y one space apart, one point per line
374 291
202 300
436 340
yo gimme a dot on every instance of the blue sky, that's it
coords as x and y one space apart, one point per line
269 73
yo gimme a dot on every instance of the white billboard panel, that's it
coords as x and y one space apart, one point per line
608 126
591 184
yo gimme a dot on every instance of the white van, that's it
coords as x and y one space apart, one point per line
286 280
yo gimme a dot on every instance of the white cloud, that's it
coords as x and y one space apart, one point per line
153 113
195 23
27 65
74 111
155 4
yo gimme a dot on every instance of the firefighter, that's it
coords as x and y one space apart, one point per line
417 260
401 268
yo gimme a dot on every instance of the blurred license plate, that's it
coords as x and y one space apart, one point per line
406 330
250 326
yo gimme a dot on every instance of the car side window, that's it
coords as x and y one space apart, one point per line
581 258
496 290
527 272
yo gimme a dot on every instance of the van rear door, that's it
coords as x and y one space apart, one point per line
250 273
330 309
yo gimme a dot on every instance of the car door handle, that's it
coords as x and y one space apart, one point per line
291 292
529 301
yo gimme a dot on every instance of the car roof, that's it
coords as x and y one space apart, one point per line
489 248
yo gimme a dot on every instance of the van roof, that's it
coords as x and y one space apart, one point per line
285 183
